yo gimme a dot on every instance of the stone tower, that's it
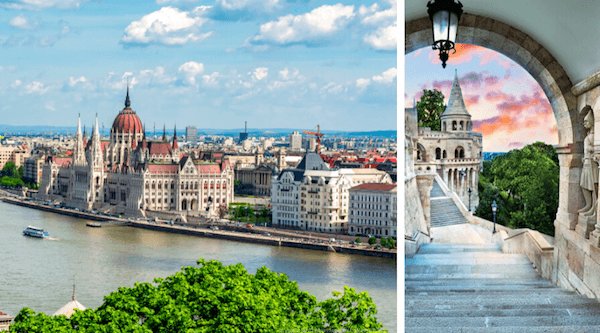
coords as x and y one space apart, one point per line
456 118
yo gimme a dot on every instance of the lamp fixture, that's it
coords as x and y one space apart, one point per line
444 16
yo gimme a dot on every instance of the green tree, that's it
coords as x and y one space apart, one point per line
10 170
430 108
372 240
212 297
524 183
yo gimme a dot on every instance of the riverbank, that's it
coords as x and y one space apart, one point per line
284 239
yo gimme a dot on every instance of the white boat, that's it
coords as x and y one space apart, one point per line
32 231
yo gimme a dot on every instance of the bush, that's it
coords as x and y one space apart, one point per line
372 240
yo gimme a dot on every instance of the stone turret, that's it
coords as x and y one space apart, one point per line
456 118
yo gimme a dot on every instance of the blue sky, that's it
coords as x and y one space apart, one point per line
213 64
507 105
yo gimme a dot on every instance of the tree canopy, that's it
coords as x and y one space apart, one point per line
430 108
524 183
212 297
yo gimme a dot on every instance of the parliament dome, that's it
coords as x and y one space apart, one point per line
127 121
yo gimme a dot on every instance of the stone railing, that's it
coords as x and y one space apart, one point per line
413 242
535 246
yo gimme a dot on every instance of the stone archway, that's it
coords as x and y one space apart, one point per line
550 75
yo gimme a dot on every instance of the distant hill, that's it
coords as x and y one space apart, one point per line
33 130
487 156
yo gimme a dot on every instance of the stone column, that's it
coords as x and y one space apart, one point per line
424 184
570 197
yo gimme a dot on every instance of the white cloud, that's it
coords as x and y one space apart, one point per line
155 76
383 21
383 38
246 4
36 87
74 81
260 73
20 22
388 77
168 26
40 4
211 79
190 70
316 25
362 83
374 15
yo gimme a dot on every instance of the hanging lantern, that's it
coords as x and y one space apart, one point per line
444 15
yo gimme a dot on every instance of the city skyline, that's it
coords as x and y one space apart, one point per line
507 105
283 64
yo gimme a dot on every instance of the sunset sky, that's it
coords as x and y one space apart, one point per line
507 105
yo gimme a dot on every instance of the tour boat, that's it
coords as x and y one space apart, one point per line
93 224
35 232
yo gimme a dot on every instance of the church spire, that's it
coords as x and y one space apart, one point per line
175 145
127 101
164 133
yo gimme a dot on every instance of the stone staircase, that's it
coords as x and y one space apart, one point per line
477 288
444 213
436 191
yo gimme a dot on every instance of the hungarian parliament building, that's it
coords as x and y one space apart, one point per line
128 174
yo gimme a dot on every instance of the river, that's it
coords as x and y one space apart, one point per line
40 273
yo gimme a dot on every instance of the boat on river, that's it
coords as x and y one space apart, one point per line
36 232
93 224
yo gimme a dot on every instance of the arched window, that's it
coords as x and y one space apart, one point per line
454 125
462 125
444 126
444 155
421 154
438 153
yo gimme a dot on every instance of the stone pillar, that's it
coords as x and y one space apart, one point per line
424 184
570 197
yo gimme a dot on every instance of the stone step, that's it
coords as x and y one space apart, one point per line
510 321
498 275
432 248
477 282
472 258
514 329
436 190
494 299
508 269
514 312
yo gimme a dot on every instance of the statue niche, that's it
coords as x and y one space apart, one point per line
589 174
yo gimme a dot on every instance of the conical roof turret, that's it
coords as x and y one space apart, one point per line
456 104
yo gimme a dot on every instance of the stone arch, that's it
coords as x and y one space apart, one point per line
549 74
524 50
444 126
444 154
454 125
184 204
421 153
438 153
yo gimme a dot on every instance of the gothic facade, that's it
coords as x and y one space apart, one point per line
128 174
